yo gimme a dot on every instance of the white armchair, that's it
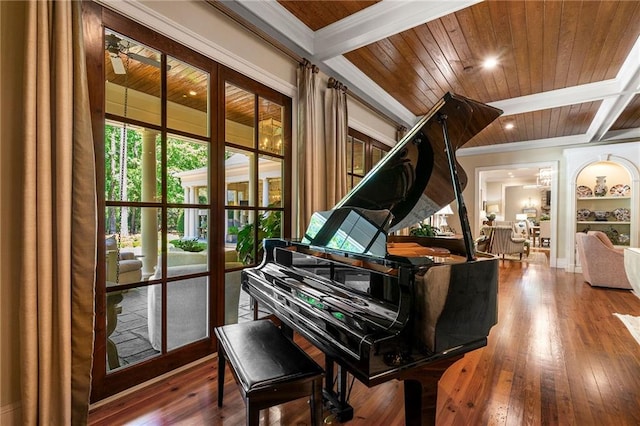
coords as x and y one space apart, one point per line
187 301
187 308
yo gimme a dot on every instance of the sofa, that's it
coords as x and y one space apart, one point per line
187 311
602 264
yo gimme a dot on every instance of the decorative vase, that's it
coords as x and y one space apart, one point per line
600 190
601 215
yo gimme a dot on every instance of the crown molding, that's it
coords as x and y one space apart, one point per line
143 14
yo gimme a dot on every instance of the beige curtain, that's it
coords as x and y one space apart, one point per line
336 130
59 227
310 148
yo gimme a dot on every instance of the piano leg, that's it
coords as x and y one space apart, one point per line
336 400
421 392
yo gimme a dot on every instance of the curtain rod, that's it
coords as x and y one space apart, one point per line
278 45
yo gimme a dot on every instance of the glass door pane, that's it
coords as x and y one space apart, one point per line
132 79
187 98
239 116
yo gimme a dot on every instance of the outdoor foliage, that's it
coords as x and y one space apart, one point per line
269 225
123 179
189 245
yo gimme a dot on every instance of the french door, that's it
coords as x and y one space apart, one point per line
165 127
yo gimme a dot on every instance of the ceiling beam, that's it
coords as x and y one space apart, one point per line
379 21
628 79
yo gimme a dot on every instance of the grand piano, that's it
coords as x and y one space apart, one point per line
382 306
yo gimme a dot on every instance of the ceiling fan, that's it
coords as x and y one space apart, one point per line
117 46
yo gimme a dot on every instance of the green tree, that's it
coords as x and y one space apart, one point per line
181 156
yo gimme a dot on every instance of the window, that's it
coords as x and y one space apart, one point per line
181 143
363 153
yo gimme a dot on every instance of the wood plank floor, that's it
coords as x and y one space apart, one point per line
558 356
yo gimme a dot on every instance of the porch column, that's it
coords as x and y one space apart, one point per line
149 216
265 192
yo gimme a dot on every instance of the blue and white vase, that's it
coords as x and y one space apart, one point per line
600 190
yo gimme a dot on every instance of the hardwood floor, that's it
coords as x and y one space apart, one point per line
557 356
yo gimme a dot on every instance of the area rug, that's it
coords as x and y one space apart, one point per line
534 258
632 323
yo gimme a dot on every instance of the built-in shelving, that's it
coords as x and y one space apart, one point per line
618 231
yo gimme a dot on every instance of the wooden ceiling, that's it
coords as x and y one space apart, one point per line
186 85
568 71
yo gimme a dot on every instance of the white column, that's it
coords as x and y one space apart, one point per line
149 216
253 187
194 212
187 216
265 192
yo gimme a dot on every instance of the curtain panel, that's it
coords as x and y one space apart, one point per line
310 148
59 226
336 131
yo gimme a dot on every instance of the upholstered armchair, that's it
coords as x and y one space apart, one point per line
505 241
602 264
122 266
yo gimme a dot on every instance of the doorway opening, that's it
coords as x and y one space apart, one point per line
520 192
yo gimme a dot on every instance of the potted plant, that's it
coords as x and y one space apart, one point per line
424 230
268 226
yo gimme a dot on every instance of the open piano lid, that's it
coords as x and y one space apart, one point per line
412 182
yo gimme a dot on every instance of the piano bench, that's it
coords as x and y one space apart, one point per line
269 368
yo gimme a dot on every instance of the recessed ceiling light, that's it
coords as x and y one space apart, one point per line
193 92
490 63
509 126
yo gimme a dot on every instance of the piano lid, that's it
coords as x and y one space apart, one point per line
413 181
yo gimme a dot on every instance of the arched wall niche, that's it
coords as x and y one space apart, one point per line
619 168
